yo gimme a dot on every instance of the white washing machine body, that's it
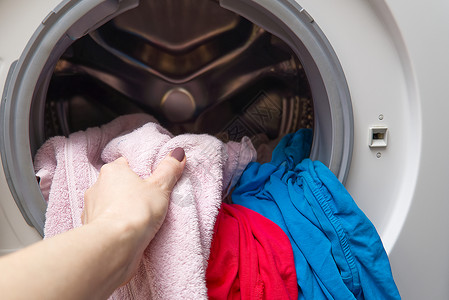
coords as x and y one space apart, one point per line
393 55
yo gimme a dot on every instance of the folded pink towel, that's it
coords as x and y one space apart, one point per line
175 262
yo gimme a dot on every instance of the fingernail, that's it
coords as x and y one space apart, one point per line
178 153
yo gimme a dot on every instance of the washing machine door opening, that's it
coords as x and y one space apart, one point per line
229 68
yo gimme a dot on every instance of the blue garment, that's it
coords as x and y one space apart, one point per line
338 253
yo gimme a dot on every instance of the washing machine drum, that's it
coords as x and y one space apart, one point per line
230 68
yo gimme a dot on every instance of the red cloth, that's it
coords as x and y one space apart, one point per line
251 258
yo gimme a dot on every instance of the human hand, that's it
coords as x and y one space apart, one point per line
121 200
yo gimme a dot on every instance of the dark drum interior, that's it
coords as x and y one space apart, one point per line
194 65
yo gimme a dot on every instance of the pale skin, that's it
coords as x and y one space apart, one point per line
122 215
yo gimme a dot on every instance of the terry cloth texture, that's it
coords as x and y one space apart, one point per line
251 258
338 253
175 262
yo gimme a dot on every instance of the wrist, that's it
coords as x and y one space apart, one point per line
116 241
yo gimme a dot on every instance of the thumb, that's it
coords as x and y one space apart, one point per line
169 170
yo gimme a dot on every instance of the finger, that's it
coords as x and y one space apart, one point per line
112 167
121 160
169 170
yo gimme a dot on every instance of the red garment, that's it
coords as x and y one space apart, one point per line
250 258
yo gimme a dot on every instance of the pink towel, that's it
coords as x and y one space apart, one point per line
175 262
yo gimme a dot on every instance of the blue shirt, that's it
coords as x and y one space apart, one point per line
337 250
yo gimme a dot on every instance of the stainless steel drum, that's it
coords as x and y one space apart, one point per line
197 67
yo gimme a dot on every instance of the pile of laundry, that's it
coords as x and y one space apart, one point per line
290 231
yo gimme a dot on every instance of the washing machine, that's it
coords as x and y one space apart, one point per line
369 77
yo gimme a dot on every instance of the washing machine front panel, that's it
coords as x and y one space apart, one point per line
394 54
395 71
420 257
384 95
19 19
